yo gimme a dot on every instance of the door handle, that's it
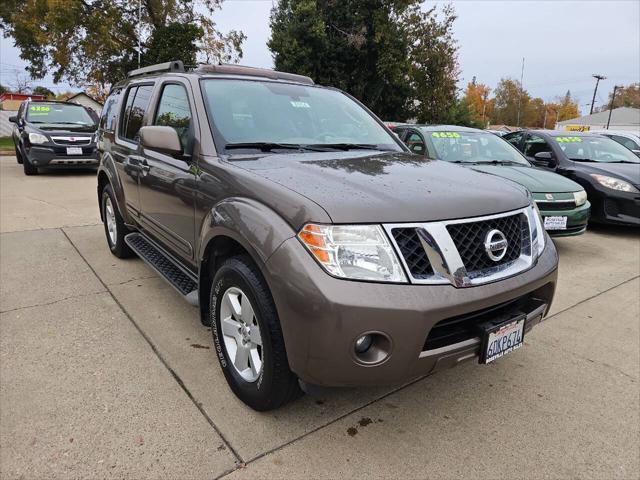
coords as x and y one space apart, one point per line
144 166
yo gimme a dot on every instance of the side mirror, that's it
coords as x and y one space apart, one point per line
13 119
161 139
637 152
545 159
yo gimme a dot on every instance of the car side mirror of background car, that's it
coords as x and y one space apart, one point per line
637 152
161 139
545 159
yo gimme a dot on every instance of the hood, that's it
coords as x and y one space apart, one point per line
387 187
629 172
536 180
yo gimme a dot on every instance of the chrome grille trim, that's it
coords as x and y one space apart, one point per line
445 259
67 141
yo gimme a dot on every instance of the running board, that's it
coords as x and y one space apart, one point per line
167 267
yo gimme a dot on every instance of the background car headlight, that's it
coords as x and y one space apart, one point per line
614 183
37 138
580 197
358 252
539 234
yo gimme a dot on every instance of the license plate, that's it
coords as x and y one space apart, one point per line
555 223
499 340
74 150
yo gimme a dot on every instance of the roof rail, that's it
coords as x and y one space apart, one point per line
254 72
175 66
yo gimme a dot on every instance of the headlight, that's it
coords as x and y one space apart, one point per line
357 252
614 183
37 138
580 197
538 236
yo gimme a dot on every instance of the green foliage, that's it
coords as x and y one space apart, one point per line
3 89
97 41
48 94
399 61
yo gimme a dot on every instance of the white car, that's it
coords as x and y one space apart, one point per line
631 140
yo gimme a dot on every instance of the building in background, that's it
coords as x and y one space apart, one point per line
622 118
86 100
11 101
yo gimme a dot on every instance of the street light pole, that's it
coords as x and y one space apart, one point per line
613 98
598 78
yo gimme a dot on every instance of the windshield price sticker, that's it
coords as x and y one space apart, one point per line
445 135
568 139
39 108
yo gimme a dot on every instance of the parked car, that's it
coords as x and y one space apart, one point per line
319 250
563 204
609 172
631 140
54 135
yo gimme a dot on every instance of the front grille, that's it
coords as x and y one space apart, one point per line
77 141
568 205
469 239
413 253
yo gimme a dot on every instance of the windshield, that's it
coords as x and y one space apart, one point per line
248 112
58 113
595 149
473 147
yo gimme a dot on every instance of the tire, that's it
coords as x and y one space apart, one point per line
274 385
18 156
29 169
114 227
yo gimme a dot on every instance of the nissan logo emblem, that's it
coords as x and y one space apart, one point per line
495 244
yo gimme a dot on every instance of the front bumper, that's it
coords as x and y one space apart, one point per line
322 316
45 156
615 207
577 220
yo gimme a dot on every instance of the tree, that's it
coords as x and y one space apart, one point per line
628 96
97 41
48 94
387 53
510 98
3 89
476 96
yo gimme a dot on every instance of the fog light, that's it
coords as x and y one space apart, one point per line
363 343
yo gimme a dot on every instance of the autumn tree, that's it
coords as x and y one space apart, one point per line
96 41
628 96
397 59
480 106
511 100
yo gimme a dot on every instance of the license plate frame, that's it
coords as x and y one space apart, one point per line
74 150
555 222
492 332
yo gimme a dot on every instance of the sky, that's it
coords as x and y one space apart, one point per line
563 42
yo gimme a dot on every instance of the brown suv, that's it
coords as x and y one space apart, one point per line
319 249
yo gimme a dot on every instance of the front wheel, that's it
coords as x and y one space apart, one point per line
248 337
114 226
18 156
29 168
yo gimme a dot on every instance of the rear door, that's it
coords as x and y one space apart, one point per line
167 185
126 148
535 144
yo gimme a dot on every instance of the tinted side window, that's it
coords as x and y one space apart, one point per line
514 139
415 142
174 111
138 109
535 144
126 111
109 112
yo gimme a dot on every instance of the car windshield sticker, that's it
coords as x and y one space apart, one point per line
568 139
300 104
35 110
445 135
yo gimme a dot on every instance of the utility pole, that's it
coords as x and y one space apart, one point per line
139 31
521 90
613 98
598 78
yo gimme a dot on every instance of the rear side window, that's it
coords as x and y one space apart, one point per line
515 139
535 144
174 111
109 112
134 110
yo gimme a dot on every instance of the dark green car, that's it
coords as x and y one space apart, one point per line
562 202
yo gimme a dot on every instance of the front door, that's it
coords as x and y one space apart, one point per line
167 185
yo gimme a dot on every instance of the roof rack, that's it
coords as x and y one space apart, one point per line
254 72
175 66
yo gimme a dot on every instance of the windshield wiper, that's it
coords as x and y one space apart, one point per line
263 146
346 146
582 160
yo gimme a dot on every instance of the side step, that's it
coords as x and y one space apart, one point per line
168 268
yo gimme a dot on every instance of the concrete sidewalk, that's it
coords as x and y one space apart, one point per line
106 373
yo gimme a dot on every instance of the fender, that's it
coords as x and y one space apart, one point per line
259 229
108 167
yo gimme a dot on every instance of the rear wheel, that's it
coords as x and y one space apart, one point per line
248 337
114 227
